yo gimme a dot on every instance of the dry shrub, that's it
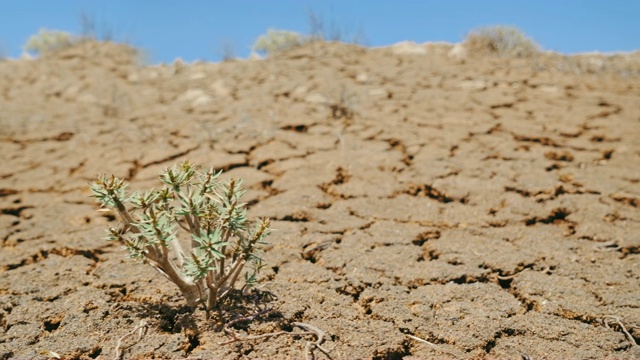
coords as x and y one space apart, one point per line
278 40
501 40
49 40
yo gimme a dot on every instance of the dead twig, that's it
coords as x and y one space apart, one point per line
322 246
546 270
509 277
235 338
432 345
617 320
317 344
607 246
141 332
247 318
310 330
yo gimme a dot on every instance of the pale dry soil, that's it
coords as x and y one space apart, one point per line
424 206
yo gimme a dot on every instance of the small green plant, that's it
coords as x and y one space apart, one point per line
501 40
278 40
222 240
48 40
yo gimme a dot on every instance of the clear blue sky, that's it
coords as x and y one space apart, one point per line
198 29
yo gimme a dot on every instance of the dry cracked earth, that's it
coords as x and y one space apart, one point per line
426 206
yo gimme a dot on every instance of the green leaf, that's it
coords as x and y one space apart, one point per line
145 200
198 265
107 189
156 228
211 244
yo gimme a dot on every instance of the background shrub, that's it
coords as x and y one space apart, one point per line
502 41
278 40
48 40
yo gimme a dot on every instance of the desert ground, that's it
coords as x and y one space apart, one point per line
427 202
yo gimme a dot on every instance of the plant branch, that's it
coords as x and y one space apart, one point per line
140 328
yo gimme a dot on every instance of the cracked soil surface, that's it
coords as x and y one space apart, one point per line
425 207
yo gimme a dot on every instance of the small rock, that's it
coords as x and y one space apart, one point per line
219 88
378 92
315 99
458 52
133 77
299 92
152 75
254 56
195 97
71 92
473 85
87 98
550 89
408 48
362 78
197 76
595 64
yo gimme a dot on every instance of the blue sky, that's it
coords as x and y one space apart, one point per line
193 30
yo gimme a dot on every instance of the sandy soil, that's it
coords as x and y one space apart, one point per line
487 206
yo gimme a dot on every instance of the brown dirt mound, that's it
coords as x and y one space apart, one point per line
425 206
